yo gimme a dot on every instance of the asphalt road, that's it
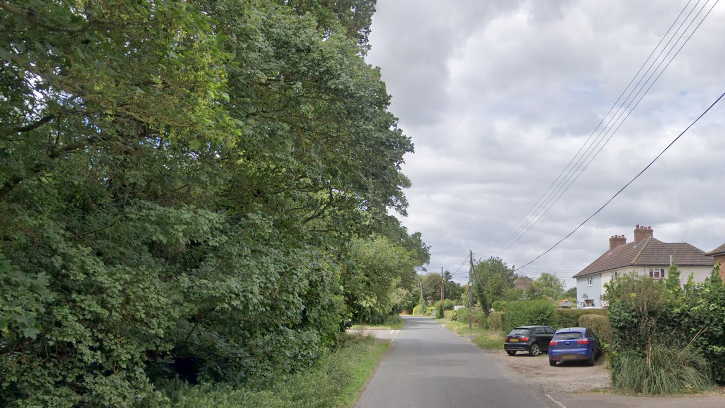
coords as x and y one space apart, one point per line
428 366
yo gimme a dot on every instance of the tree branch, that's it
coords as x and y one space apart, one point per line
35 125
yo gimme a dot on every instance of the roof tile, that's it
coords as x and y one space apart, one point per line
649 252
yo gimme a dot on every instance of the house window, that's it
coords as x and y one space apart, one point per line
589 281
656 273
615 275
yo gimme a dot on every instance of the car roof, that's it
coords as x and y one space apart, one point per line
527 327
572 330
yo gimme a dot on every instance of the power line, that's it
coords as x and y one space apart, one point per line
561 185
576 172
459 268
640 99
534 207
630 182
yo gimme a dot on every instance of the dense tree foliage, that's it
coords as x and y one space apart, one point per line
432 287
492 279
192 188
651 319
546 286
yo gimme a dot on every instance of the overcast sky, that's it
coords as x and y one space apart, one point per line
499 96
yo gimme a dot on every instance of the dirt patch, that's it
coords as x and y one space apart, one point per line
563 378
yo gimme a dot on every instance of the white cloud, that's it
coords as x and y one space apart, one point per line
499 96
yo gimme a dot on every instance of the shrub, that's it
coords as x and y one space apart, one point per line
439 311
452 315
420 310
662 371
478 318
599 324
570 317
499 306
529 312
495 321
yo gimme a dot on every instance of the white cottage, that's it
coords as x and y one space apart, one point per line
645 256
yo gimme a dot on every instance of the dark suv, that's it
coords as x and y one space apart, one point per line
533 339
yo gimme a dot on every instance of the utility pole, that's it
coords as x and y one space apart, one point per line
443 293
470 284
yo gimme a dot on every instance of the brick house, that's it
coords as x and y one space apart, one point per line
719 255
646 256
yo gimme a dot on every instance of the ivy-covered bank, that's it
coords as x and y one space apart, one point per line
190 189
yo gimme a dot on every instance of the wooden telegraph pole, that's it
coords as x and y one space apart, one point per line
443 293
470 284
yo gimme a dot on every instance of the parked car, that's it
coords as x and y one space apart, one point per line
574 344
533 339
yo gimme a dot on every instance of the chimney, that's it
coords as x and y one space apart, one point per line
616 240
642 232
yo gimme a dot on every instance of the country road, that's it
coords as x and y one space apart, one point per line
428 366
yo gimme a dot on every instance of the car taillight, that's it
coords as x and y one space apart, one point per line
507 338
582 341
553 343
524 339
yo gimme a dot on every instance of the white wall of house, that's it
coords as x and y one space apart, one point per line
591 286
699 273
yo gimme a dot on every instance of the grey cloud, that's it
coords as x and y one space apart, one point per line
499 96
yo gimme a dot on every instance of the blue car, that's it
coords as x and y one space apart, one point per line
574 344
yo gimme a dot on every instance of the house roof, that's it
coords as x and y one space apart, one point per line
648 252
717 251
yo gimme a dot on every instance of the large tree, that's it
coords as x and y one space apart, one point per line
182 188
492 278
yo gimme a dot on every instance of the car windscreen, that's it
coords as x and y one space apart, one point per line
520 332
568 336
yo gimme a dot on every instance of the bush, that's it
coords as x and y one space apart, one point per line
570 317
438 311
663 371
332 383
420 310
478 318
495 321
599 324
452 315
499 306
529 312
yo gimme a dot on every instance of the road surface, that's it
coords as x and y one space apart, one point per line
428 366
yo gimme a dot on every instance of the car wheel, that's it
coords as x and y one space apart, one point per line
552 363
591 360
511 352
534 350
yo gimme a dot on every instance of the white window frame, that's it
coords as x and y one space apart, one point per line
657 273
590 281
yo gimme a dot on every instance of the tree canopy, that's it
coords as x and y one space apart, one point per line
194 189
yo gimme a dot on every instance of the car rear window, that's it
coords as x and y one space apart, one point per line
568 336
519 332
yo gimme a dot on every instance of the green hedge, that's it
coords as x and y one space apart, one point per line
529 312
495 321
420 309
598 323
570 317
452 315
478 318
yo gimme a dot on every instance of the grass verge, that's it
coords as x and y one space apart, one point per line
336 382
484 338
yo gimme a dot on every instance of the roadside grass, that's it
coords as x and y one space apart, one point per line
336 382
484 338
391 323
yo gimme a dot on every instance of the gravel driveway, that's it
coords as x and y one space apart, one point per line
567 378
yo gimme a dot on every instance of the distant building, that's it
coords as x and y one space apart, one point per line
719 255
645 256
